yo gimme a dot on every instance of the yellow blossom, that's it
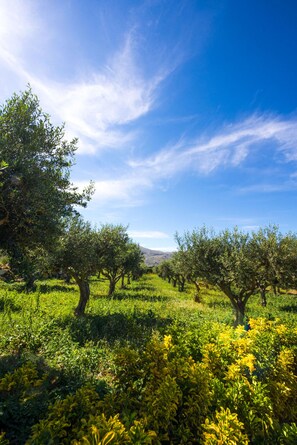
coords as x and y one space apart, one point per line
167 341
281 329
249 362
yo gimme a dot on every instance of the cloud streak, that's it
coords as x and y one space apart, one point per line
150 234
100 106
125 191
229 147
103 106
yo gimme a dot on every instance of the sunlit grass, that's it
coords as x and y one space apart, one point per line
40 328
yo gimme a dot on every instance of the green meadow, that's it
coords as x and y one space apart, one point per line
147 366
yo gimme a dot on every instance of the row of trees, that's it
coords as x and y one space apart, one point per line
82 252
39 222
238 263
39 218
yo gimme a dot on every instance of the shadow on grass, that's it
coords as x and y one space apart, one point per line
143 287
46 288
289 308
219 304
131 295
7 305
136 327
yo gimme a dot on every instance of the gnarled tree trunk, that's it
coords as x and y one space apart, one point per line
112 285
197 297
239 311
84 295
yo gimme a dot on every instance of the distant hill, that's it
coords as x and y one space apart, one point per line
154 257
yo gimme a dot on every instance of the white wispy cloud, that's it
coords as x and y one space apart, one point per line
18 24
251 228
102 107
230 146
97 107
120 192
149 234
269 187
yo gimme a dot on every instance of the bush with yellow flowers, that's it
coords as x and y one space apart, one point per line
254 375
168 392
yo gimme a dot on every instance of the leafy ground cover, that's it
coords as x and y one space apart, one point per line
148 366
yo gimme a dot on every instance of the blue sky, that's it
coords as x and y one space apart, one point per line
185 110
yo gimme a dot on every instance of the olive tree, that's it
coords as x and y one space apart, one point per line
76 257
287 265
186 269
275 256
224 260
112 249
132 264
266 247
165 270
35 187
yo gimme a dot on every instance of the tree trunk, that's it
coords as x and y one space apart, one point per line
181 284
30 285
123 281
274 288
129 279
112 285
239 310
197 297
263 296
84 290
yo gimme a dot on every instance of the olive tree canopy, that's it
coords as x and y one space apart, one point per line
35 188
76 256
224 260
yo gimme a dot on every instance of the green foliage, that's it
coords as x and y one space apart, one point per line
23 396
168 392
148 366
36 191
3 440
117 255
225 429
103 431
76 253
224 260
288 435
78 420
239 264
65 418
76 257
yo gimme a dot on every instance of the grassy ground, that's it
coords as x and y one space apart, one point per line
40 328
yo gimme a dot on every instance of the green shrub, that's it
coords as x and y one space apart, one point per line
3 441
65 418
224 429
166 391
288 435
23 397
78 419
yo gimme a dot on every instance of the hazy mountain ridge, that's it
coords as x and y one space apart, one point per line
154 257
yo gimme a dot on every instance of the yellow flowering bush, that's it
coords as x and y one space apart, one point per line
224 429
